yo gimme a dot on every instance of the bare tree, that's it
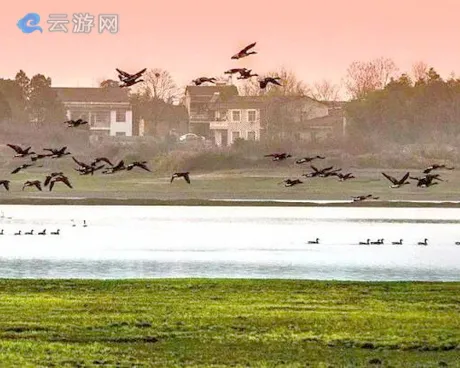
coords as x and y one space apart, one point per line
291 85
159 84
325 90
365 77
420 71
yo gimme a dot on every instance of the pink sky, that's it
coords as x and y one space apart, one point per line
196 38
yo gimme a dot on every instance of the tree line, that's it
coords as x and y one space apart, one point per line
382 102
25 99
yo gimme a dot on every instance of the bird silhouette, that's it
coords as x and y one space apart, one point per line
185 175
21 152
33 183
6 184
245 52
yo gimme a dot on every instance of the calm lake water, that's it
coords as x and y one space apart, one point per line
230 242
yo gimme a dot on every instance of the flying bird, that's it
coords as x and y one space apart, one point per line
90 170
51 176
247 74
6 184
32 183
279 156
40 156
75 123
235 71
436 167
62 179
245 52
344 177
184 175
120 166
426 181
308 159
363 198
21 152
126 77
201 80
101 159
19 168
142 165
57 153
290 183
395 182
263 83
318 172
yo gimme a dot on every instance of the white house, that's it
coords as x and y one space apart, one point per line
197 99
235 117
107 110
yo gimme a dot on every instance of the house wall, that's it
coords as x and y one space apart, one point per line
102 117
225 122
125 127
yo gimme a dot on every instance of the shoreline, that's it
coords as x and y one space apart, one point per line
100 201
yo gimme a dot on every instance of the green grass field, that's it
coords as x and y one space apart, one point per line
246 184
223 323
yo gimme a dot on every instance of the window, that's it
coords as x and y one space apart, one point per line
121 116
251 115
251 136
236 115
120 134
235 135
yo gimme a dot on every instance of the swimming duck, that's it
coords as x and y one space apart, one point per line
365 243
55 232
31 232
397 242
314 241
42 232
425 242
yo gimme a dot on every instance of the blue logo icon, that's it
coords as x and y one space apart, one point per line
29 23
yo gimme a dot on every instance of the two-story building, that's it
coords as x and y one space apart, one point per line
107 110
197 99
235 117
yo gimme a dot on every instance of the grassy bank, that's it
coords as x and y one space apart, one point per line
170 323
140 187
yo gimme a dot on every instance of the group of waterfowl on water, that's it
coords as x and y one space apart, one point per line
424 181
43 232
381 242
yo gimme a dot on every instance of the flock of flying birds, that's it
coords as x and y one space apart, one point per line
128 80
424 181
99 163
104 164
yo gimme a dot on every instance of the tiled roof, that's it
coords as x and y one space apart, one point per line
76 94
209 90
242 102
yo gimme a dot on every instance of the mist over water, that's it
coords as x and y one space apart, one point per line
230 242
